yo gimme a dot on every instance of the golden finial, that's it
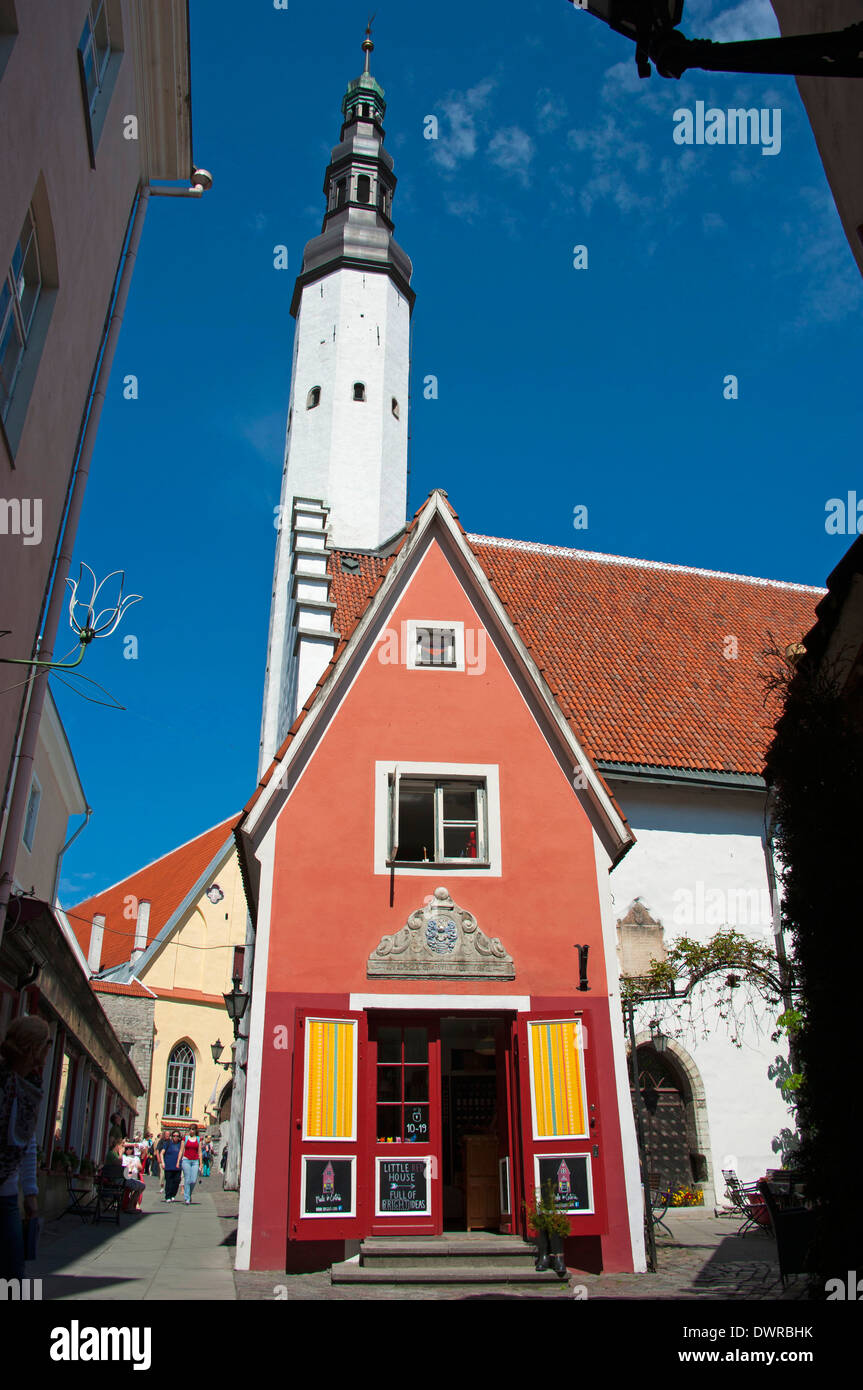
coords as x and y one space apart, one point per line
367 42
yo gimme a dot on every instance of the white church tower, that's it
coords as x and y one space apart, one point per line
345 477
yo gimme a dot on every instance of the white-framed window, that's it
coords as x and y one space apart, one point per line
180 1082
313 399
437 815
434 644
32 813
19 295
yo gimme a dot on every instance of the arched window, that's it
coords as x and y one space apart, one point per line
180 1085
359 391
364 188
313 398
395 408
341 193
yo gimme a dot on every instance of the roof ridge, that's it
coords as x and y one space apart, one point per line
230 821
539 547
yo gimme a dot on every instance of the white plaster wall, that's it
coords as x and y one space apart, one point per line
352 326
712 838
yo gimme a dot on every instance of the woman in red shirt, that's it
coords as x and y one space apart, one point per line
190 1162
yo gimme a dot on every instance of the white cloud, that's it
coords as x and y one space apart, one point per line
551 110
511 149
460 111
753 19
712 222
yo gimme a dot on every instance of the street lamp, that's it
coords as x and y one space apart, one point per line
658 1040
652 27
236 1003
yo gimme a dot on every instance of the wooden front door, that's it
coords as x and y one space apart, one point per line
403 1105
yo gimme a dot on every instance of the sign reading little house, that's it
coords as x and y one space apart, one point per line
403 1188
328 1187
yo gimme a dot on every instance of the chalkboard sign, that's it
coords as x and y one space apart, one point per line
569 1175
403 1188
328 1188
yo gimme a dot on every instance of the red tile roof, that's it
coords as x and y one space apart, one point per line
113 987
164 884
634 650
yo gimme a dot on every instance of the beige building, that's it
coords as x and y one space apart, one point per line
163 947
94 106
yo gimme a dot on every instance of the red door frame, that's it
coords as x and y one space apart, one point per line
407 1225
591 1223
336 1227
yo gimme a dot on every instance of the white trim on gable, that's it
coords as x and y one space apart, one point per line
363 640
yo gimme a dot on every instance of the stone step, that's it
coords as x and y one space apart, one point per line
350 1272
443 1253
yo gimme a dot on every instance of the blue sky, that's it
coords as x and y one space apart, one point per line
557 387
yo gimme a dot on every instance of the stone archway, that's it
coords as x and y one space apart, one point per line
678 1135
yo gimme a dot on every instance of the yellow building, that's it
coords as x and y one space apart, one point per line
163 947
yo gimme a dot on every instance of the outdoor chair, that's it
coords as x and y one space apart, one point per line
658 1193
746 1198
77 1194
794 1231
109 1198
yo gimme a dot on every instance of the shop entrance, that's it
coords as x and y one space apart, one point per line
475 1124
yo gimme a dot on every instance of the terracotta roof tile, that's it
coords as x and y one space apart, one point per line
164 884
633 649
114 987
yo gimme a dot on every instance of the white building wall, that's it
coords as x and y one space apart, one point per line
697 865
351 326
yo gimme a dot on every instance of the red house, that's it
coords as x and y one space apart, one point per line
435 1029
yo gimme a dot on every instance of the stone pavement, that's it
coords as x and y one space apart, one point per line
171 1251
175 1252
703 1259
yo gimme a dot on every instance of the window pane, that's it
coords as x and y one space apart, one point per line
389 1083
416 1083
459 842
29 283
417 1129
390 1044
459 803
416 822
435 646
416 1044
389 1123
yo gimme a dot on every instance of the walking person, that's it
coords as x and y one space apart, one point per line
158 1151
206 1159
132 1168
170 1159
22 1057
190 1161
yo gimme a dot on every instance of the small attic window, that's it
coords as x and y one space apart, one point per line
395 408
313 398
350 564
359 391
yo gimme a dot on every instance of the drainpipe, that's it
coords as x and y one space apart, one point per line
83 826
57 602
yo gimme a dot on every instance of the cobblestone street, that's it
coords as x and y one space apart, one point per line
703 1260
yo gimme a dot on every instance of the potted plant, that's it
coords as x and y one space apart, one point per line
551 1225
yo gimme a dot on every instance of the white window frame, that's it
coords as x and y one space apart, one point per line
31 819
13 315
557 1138
330 1138
328 1215
388 776
589 1210
411 628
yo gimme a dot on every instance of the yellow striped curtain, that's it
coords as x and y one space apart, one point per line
558 1094
330 1062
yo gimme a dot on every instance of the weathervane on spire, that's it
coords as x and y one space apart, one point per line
367 42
